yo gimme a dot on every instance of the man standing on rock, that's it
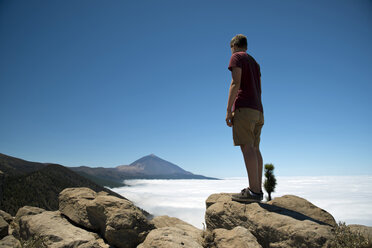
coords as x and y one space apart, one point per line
245 115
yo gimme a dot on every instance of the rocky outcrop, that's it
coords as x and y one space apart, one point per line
169 237
53 229
172 232
10 241
117 220
238 237
272 225
86 219
97 220
166 221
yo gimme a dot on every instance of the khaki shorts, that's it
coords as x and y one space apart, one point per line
247 125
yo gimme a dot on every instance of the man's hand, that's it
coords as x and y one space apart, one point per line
229 119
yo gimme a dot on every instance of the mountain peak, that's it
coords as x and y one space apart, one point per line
152 164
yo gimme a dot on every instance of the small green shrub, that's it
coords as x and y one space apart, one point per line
270 180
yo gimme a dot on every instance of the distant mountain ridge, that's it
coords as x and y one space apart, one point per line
147 167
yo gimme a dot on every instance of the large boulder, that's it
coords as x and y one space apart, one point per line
27 210
120 222
10 241
166 221
52 229
273 226
24 211
239 237
170 237
172 232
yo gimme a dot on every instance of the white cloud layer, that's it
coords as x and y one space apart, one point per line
347 198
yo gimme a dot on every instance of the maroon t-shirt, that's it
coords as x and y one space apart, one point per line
249 94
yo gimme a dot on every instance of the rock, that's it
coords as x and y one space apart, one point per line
170 237
27 210
121 223
212 199
239 237
10 242
73 202
4 226
55 231
24 211
273 226
365 231
166 221
7 217
304 207
172 232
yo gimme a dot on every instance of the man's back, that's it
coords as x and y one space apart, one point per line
249 94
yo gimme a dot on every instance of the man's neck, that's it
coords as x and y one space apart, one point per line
240 50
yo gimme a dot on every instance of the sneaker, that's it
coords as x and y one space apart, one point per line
246 196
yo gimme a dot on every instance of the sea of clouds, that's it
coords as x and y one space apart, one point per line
347 198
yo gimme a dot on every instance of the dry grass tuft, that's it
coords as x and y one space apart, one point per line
344 237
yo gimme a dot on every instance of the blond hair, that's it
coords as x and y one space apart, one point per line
240 41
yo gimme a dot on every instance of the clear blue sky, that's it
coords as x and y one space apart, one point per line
103 83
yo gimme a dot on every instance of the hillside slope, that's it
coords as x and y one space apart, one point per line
37 184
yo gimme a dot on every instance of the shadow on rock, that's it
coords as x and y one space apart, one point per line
290 213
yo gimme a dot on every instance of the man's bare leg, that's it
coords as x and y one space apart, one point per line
260 166
253 164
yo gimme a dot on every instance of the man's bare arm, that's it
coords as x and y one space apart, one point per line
233 91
